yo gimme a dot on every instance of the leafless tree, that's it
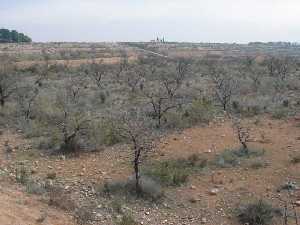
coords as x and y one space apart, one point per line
253 71
225 87
243 134
44 68
122 66
26 99
165 93
162 102
97 71
279 67
7 81
135 77
71 122
133 127
74 86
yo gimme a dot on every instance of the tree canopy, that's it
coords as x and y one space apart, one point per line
7 36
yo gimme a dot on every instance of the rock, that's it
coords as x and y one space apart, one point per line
208 151
297 203
203 220
193 187
214 191
147 213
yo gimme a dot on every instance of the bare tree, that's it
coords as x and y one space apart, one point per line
164 93
97 71
43 72
74 87
225 87
26 99
243 134
279 67
134 129
7 81
135 77
122 66
71 122
161 102
253 71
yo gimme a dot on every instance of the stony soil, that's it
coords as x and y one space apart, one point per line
192 203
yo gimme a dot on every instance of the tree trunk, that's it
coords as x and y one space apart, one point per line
2 102
137 177
137 169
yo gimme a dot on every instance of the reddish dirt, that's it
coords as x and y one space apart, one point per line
17 208
280 139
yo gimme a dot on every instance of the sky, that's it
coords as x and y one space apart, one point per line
233 21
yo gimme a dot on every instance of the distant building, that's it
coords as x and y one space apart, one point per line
158 40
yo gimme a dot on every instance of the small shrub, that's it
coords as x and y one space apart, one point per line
227 158
280 113
175 172
127 220
72 146
34 187
60 199
258 164
104 132
112 187
117 206
257 213
296 159
232 158
22 175
149 188
200 111
84 214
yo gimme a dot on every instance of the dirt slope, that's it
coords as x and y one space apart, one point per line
17 208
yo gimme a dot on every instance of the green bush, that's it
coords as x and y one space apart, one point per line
34 187
104 132
232 158
257 213
175 172
257 164
148 187
200 111
22 175
280 113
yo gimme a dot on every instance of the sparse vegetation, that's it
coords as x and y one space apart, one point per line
119 117
175 172
257 213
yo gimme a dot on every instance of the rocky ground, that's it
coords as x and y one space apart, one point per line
209 197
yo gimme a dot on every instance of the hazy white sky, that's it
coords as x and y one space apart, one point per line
142 20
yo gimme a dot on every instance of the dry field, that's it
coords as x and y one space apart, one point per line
192 203
41 186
